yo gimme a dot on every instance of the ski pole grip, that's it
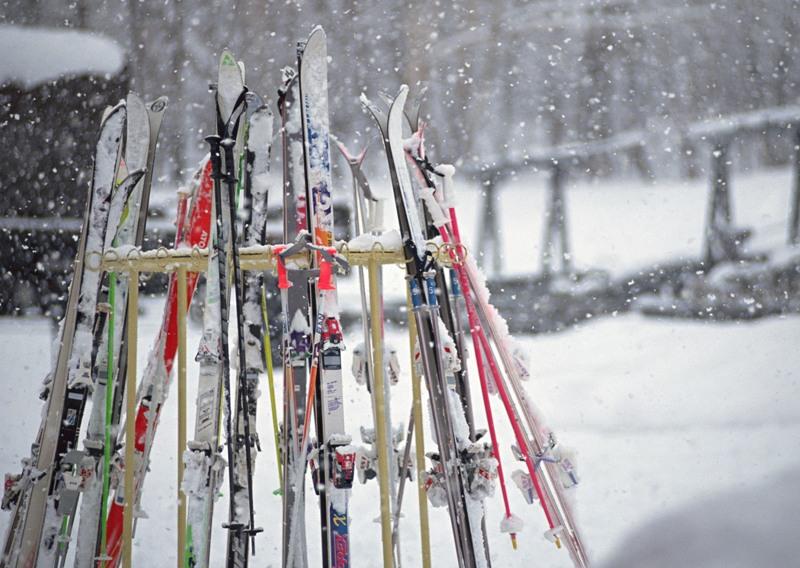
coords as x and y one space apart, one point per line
283 274
447 172
437 215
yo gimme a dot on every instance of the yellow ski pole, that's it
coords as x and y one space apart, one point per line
419 439
271 379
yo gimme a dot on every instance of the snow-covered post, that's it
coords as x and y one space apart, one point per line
555 245
488 231
718 224
794 222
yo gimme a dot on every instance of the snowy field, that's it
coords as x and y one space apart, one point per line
663 414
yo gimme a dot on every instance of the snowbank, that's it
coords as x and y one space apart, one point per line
41 55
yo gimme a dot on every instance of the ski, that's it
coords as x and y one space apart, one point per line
296 342
100 440
250 323
37 489
256 193
334 455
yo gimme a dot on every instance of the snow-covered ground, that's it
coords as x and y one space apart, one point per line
663 414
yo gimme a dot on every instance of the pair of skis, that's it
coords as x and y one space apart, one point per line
47 494
312 359
239 168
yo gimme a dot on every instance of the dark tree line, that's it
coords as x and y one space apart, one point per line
504 76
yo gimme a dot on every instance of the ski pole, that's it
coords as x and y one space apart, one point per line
549 495
380 423
271 380
419 439
112 287
440 220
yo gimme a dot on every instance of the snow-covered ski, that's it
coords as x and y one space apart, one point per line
38 487
296 344
110 334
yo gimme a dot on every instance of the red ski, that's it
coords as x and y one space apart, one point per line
155 383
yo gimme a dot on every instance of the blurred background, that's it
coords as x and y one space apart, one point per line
632 159
504 77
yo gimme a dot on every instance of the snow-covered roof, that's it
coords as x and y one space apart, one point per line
33 56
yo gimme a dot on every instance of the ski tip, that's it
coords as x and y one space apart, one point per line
317 32
378 114
399 102
109 111
386 97
133 99
227 59
316 46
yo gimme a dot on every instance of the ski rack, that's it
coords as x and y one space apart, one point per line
134 262
260 257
